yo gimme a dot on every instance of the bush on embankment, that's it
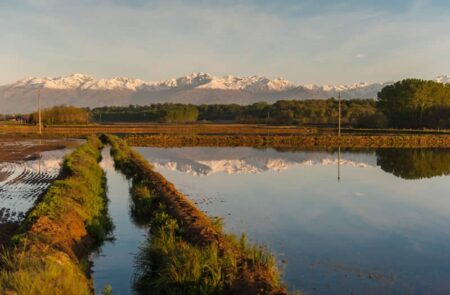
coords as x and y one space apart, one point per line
51 247
188 253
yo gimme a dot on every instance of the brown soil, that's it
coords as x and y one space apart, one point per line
67 235
3 176
253 281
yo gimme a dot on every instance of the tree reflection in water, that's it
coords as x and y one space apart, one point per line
414 163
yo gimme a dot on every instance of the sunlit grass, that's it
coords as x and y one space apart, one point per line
167 262
27 274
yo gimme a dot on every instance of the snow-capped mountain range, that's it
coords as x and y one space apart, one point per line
197 88
195 80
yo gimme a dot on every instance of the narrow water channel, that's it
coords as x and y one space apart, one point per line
114 264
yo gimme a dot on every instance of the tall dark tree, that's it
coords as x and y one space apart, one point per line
414 103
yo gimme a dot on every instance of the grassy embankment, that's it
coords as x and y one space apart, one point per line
48 255
188 253
356 141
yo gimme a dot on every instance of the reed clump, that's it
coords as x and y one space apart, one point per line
52 244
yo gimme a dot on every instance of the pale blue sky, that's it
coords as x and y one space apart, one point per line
309 41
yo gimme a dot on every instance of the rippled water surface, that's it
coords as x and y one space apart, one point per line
382 228
27 168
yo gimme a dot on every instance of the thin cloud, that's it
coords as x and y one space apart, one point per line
161 39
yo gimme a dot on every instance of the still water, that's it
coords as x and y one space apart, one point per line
382 228
114 263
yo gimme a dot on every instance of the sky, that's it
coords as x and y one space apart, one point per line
304 41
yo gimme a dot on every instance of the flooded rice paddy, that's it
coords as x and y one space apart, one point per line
349 222
27 168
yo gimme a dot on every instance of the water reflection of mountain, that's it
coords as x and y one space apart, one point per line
207 161
414 163
404 163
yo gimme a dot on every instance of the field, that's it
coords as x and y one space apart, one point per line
159 129
202 129
166 135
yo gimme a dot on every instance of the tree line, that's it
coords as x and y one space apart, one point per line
153 113
281 112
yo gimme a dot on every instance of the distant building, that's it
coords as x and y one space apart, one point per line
18 119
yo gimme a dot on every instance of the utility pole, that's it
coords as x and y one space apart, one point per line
339 120
39 111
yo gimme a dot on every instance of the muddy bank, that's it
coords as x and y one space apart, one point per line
181 232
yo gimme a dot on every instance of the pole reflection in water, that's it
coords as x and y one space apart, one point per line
339 164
